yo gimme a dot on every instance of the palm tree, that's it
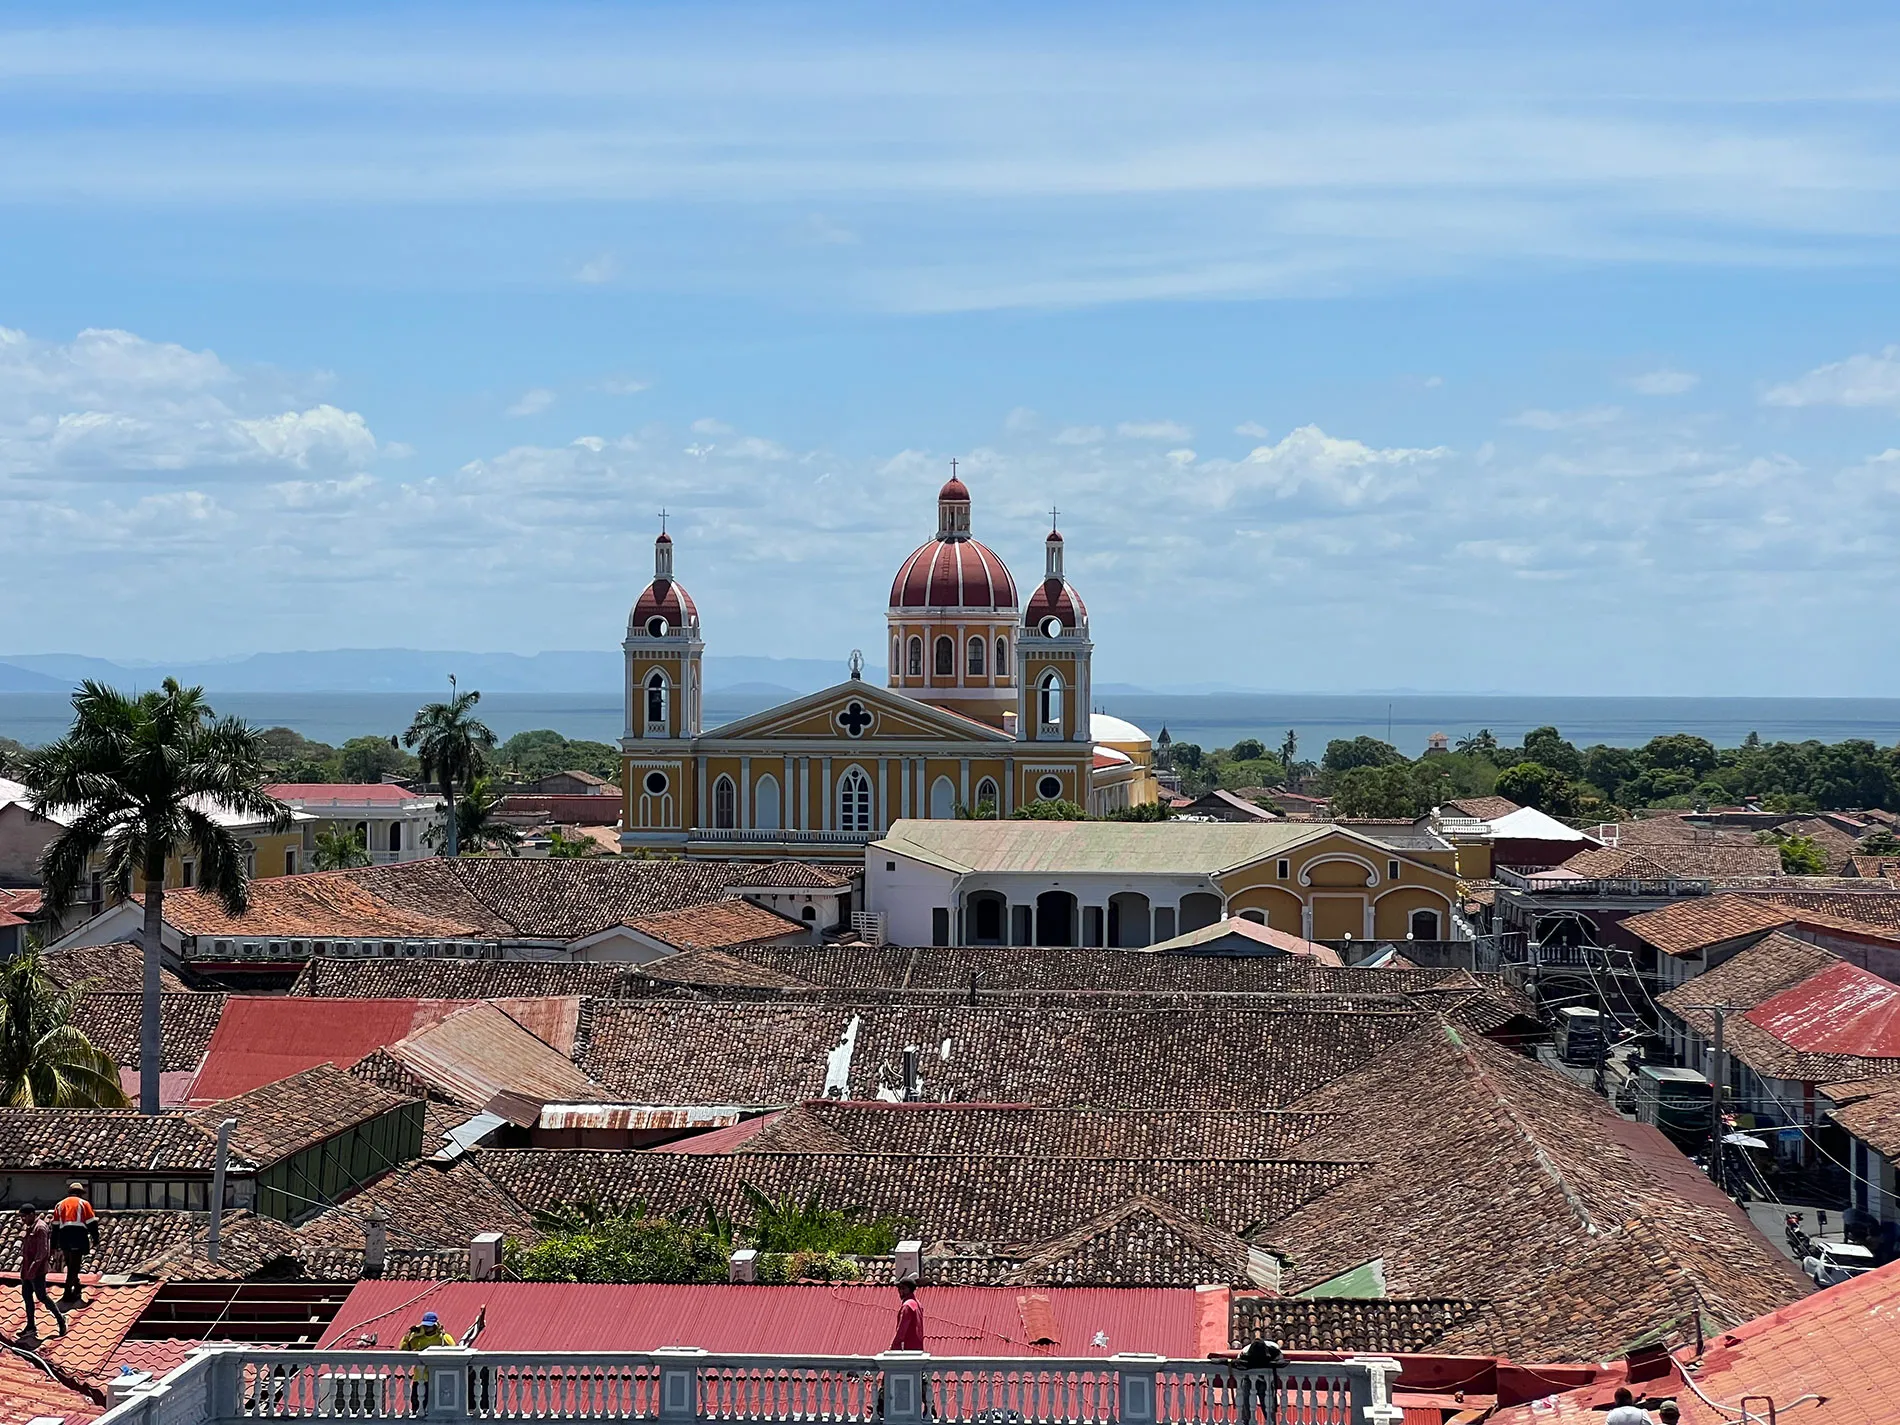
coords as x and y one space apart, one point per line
453 748
44 1061
1483 742
139 780
478 825
340 848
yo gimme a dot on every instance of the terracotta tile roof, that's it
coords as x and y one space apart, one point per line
21 901
1141 1242
1692 925
1483 808
1766 968
715 969
1848 905
426 1208
286 1117
318 905
101 1140
1837 845
719 925
765 1055
1617 863
1873 868
248 1246
186 1023
1385 1325
28 1393
118 967
983 1130
1499 1180
1870 1110
1689 860
996 1200
432 978
794 876
95 1331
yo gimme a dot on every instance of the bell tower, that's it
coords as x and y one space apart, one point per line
663 655
1053 654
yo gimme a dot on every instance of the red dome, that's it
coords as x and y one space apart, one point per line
953 489
667 599
1057 598
953 574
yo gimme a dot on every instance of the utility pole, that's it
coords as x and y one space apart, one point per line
1718 1085
217 1187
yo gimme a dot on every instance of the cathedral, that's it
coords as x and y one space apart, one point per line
986 709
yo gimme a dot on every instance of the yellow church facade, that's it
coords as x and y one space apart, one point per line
985 709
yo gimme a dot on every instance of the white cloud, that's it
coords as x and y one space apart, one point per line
1566 420
1324 470
603 267
622 386
1021 419
1860 380
1080 435
1664 382
1153 430
326 434
1253 430
533 402
706 425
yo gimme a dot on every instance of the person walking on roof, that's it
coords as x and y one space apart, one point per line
75 1233
36 1255
910 1316
1626 1411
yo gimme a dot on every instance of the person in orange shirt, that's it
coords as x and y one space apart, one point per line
75 1233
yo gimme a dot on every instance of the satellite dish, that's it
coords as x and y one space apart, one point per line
656 627
1052 627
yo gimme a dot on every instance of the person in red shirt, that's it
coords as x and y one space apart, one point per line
36 1255
75 1233
910 1316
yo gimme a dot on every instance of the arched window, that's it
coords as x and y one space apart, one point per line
395 836
946 659
988 804
915 664
656 699
854 801
765 803
1049 700
725 805
1002 657
977 660
943 800
1424 925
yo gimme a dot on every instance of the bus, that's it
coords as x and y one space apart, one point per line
1677 1101
1579 1034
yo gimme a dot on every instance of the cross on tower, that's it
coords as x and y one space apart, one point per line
662 521
1052 516
953 467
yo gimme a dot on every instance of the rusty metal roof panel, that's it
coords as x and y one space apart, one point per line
637 1116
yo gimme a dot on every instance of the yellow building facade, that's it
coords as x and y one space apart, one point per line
985 709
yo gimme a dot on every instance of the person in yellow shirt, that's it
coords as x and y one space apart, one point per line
427 1333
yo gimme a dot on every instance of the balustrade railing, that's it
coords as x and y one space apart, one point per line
681 1386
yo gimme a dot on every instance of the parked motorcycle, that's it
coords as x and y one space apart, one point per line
1798 1242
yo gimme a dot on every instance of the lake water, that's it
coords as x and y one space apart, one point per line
1212 720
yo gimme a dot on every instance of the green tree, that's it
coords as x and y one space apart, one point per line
339 848
1362 751
138 780
1482 743
1044 809
1802 856
1532 784
1680 752
560 848
478 825
1608 769
1289 749
370 759
452 747
1388 791
45 1062
1878 843
1546 745
1248 749
1187 756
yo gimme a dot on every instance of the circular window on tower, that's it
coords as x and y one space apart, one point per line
1049 789
1052 627
656 783
656 627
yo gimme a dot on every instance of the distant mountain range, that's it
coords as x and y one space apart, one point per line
405 670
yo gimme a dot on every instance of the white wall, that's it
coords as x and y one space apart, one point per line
906 891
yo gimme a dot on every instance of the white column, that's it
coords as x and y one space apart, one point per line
1368 906
962 655
824 816
903 787
1009 786
745 792
1306 920
883 820
804 789
964 794
699 802
787 814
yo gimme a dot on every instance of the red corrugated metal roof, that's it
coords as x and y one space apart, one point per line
811 1320
260 1040
1841 1010
723 1140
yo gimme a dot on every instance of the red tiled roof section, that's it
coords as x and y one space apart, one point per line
262 1039
95 1331
1842 1009
21 902
1498 1178
457 979
1406 1325
119 967
1142 1242
187 1022
793 876
719 925
1766 968
1870 1110
321 904
427 1208
349 793
1691 925
101 1140
479 1052
1483 808
954 574
299 1112
1688 860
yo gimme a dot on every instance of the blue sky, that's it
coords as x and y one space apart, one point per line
1360 348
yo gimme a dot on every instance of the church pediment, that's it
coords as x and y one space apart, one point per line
855 712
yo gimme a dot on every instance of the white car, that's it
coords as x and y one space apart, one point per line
1834 1262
